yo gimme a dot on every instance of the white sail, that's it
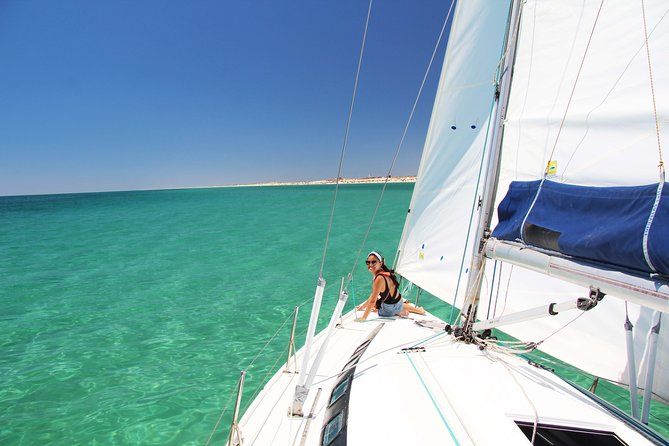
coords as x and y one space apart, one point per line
594 341
449 385
432 244
608 137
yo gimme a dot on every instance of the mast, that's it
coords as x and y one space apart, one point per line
487 202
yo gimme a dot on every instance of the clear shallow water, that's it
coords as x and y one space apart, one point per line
126 317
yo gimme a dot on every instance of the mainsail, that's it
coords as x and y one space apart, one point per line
580 114
581 107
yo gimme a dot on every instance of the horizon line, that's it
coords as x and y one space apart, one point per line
324 182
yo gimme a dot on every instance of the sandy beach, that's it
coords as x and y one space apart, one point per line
400 179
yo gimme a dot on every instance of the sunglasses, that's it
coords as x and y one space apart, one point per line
371 262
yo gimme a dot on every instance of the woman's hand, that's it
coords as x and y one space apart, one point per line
363 307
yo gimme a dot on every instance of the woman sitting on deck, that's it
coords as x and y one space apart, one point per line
385 297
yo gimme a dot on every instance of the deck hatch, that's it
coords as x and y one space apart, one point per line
338 391
552 435
336 414
333 429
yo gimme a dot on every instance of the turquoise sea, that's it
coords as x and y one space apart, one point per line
127 316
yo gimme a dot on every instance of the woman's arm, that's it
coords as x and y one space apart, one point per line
371 300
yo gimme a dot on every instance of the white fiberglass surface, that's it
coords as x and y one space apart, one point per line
453 393
450 393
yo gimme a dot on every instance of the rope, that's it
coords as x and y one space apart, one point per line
423 342
578 75
660 186
564 117
218 422
474 285
652 91
270 370
613 86
434 403
521 347
522 390
248 367
399 147
448 400
276 333
372 356
344 144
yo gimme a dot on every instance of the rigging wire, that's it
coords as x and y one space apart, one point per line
399 147
492 287
506 294
578 75
218 422
560 329
471 217
272 368
564 117
499 286
444 394
226 406
345 143
527 86
527 398
606 96
526 346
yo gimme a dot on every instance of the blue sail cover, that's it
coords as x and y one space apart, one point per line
601 224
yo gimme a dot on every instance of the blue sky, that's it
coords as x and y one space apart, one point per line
121 95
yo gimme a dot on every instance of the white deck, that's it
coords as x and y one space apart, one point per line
452 393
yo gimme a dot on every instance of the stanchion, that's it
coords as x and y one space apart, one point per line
234 426
291 345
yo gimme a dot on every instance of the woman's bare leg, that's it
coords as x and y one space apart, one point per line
413 309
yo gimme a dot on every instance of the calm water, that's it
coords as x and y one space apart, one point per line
127 316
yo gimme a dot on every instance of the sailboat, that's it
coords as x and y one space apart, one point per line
539 210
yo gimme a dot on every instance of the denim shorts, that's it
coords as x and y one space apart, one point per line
390 310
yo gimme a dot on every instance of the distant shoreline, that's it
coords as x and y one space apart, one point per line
331 181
